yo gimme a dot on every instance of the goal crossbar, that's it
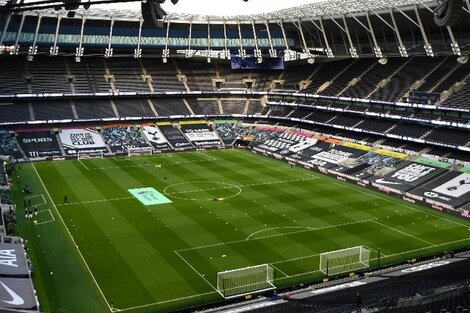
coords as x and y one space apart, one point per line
244 281
81 155
139 151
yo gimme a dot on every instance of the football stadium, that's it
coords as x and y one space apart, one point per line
309 158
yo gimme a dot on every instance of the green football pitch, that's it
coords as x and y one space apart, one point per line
150 233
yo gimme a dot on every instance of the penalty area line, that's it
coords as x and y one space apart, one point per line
196 271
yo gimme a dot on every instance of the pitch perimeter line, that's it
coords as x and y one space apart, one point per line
167 301
71 238
282 272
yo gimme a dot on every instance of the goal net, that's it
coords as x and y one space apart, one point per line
90 155
243 281
344 261
139 151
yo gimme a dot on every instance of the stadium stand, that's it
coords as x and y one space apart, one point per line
15 112
170 106
4 184
133 107
122 138
449 136
229 132
325 73
8 145
47 110
355 70
368 83
127 75
162 77
202 106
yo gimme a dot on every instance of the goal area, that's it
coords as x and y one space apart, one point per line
244 281
82 155
344 260
139 151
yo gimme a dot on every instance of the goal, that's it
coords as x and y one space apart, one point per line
243 281
139 151
344 261
81 155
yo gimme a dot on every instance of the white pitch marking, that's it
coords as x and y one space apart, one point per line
95 201
200 275
71 237
404 233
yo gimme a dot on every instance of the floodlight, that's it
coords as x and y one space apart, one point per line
463 59
383 61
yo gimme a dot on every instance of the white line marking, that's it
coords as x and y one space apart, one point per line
71 237
300 274
94 201
353 187
192 267
280 271
45 222
404 233
274 235
208 156
43 199
52 215
305 228
208 159
424 248
170 300
200 190
279 182
35 196
86 167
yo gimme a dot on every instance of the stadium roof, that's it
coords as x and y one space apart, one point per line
326 9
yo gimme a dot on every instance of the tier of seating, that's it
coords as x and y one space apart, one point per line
379 126
364 78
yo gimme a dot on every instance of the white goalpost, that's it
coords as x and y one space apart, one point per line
139 151
243 281
344 260
82 155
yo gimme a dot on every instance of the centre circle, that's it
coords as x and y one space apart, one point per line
202 190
